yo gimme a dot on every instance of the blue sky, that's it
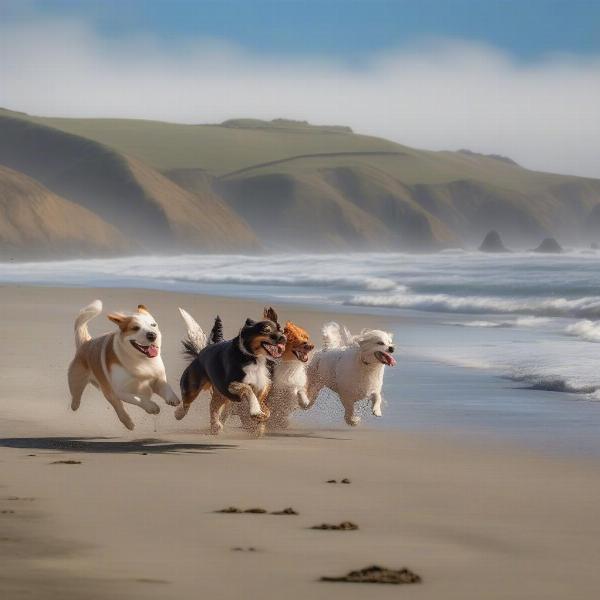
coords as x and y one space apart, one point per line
527 29
514 77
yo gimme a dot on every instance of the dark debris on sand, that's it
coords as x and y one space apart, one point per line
345 480
285 511
240 549
377 574
256 511
66 462
343 526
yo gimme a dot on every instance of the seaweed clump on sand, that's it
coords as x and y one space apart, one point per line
344 526
377 574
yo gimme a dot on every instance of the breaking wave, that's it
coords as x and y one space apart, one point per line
544 307
586 330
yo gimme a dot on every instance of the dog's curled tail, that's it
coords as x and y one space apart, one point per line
216 333
196 338
85 315
336 336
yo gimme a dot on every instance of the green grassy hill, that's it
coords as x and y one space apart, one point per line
296 185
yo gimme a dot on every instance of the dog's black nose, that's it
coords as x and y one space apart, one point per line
151 336
391 349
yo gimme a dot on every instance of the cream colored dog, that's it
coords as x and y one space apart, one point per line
352 366
125 365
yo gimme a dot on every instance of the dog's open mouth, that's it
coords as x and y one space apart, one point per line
151 351
275 350
301 354
385 358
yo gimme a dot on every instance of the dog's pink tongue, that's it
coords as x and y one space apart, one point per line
152 351
392 362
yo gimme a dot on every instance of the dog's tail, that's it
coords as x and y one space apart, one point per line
216 333
85 315
196 338
336 336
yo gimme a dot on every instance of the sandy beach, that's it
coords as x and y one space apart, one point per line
134 516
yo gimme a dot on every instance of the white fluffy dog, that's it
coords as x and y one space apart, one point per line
352 367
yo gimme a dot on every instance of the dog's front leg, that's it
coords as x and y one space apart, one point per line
312 392
143 402
161 388
246 393
303 401
349 416
262 401
116 402
376 403
217 404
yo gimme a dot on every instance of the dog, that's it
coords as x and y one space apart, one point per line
288 389
125 365
352 367
236 370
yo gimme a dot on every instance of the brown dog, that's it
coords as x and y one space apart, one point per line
125 365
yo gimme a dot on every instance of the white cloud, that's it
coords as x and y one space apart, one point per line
440 95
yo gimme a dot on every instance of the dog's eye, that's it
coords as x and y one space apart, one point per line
135 328
152 324
381 343
267 330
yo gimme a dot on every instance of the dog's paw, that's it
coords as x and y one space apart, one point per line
151 407
181 411
377 412
174 401
303 401
126 420
260 417
75 402
216 427
353 421
259 430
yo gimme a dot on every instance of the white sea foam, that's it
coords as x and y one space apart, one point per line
587 330
557 307
477 324
519 322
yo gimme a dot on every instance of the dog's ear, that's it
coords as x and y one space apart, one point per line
142 309
249 322
120 319
269 313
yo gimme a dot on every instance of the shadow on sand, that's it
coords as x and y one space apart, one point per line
309 435
110 445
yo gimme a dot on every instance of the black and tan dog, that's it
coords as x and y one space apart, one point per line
236 369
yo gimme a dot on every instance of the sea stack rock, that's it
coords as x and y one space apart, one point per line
492 243
549 246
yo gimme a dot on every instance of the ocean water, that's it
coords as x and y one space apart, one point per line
502 345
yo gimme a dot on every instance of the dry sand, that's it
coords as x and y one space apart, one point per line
136 518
